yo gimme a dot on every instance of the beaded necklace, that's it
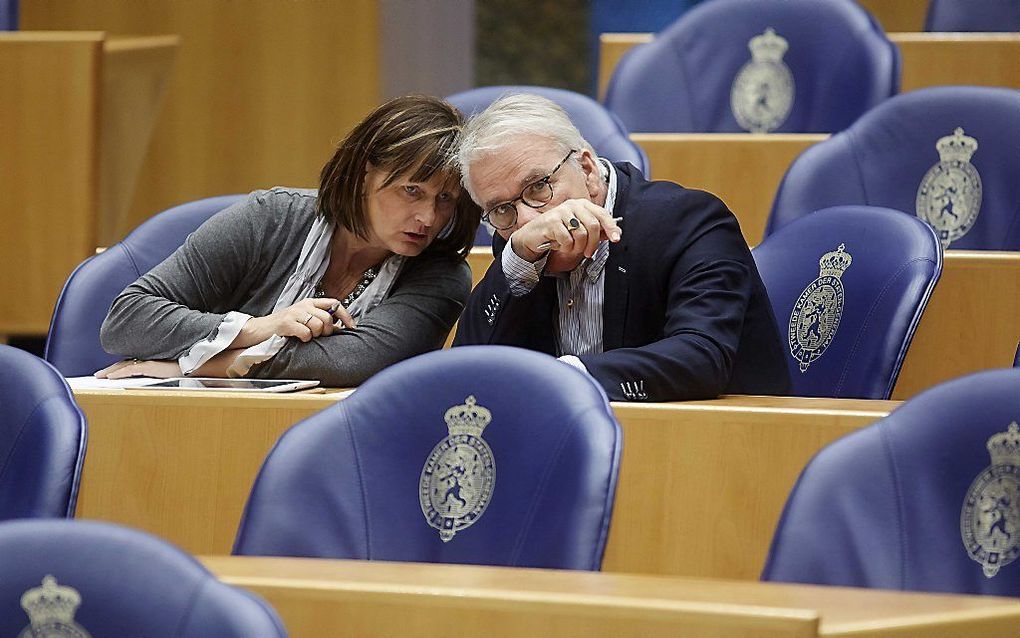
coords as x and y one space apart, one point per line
366 279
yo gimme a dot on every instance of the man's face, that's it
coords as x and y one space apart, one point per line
501 176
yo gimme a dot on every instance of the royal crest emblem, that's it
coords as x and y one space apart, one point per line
990 519
50 610
949 197
459 476
762 93
817 312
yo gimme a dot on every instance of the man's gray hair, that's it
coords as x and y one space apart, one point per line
511 117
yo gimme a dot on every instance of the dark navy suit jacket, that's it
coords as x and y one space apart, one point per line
686 315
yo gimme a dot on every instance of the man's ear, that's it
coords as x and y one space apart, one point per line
592 174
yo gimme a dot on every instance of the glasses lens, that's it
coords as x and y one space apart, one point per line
503 216
537 194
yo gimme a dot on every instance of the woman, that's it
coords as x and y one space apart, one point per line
331 285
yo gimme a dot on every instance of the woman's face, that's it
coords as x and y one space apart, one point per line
406 216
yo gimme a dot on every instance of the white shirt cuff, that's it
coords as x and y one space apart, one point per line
257 353
521 274
208 348
573 361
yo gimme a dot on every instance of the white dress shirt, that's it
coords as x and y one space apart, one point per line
580 292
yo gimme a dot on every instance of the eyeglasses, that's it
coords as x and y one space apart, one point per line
535 195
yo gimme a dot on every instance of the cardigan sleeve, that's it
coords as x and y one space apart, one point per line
415 318
183 300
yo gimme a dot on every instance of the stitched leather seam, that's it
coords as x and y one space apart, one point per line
358 474
1012 226
900 515
131 258
609 488
17 439
867 319
533 509
915 321
687 80
190 607
857 163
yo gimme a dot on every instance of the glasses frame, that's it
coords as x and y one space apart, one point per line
520 198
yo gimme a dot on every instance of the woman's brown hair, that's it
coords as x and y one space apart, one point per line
415 135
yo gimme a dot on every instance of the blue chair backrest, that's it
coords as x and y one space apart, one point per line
906 154
973 15
42 440
114 581
73 342
601 128
8 15
821 65
926 499
849 284
400 470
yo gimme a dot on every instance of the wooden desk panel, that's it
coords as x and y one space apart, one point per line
898 15
742 169
136 73
929 59
181 467
401 599
702 484
936 59
76 114
49 118
971 323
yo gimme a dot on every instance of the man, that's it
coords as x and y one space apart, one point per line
647 286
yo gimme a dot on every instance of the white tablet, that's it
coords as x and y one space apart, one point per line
234 385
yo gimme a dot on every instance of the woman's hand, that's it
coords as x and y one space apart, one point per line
307 319
136 368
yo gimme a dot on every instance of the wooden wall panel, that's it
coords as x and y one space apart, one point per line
260 93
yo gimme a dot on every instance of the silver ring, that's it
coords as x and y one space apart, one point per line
305 322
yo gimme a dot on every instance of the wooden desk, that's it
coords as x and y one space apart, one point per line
929 59
898 15
76 115
711 475
742 169
368 599
970 323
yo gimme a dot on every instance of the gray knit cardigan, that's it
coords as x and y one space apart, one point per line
240 260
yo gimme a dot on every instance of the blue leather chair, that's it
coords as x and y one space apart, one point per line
926 499
892 157
973 15
848 284
66 578
401 470
830 63
601 128
8 15
73 342
42 440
